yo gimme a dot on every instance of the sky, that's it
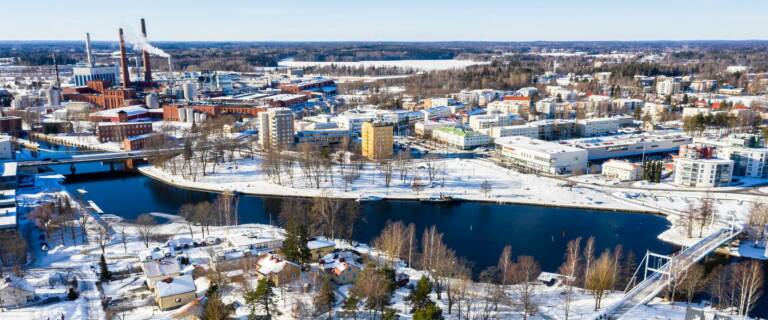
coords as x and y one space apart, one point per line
388 20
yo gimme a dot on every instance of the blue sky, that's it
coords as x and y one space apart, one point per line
414 20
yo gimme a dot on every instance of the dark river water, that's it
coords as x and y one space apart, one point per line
476 231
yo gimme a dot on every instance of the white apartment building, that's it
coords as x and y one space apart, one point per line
518 107
276 128
322 137
747 162
353 120
600 126
541 156
667 86
526 130
485 121
436 113
459 138
622 170
625 105
655 110
703 173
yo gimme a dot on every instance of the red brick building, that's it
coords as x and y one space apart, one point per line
97 92
10 125
117 131
171 111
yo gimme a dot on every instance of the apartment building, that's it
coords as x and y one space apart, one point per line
276 128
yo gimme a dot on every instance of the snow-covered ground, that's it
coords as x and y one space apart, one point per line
425 65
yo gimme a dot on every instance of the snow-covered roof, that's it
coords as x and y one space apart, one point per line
16 282
535 145
7 198
9 169
129 110
341 260
161 268
175 285
270 264
319 243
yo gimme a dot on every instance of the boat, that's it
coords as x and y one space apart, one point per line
368 198
438 198
82 191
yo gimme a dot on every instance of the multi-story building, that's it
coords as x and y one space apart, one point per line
526 130
521 107
322 137
600 126
276 128
82 74
459 138
541 156
628 105
378 138
622 170
695 167
485 121
667 86
117 131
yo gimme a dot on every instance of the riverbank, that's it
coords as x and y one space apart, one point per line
460 179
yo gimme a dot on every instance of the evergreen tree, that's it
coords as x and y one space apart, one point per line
431 312
389 314
295 244
214 308
419 296
263 297
104 274
350 305
325 298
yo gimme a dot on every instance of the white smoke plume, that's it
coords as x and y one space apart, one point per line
141 44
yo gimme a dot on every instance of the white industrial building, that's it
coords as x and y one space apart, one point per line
622 170
541 156
82 74
625 145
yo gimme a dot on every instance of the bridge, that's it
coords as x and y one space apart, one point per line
666 270
103 156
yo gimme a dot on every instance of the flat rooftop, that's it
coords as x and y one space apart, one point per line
536 145
625 139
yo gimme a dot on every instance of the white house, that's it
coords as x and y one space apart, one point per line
16 292
622 170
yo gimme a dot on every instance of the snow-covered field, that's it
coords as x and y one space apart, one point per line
425 65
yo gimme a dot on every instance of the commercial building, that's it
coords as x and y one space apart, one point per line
322 137
378 138
622 170
541 156
276 128
459 138
123 114
117 131
626 145
601 126
526 130
695 167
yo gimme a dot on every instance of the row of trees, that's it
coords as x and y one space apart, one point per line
652 170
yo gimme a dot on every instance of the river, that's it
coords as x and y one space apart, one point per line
476 231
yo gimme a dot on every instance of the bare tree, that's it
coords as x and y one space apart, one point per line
524 274
589 255
334 217
386 169
693 281
601 277
187 211
102 236
568 269
123 236
392 240
758 219
485 188
748 280
417 186
705 214
146 226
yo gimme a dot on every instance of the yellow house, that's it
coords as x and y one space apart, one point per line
378 139
319 248
175 292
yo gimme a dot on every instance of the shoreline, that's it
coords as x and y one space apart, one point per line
642 210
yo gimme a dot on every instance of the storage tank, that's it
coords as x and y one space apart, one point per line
190 91
54 97
190 115
152 101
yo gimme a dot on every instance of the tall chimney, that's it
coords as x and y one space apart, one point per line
124 62
147 67
88 49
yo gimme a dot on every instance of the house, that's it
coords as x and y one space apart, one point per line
16 292
172 292
155 271
343 266
319 248
622 170
256 241
276 268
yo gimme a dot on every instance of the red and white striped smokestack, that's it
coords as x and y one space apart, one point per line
124 62
147 67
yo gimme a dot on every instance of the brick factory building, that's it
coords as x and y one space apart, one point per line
117 131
